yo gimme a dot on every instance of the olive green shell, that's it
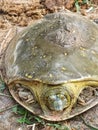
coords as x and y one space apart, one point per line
60 47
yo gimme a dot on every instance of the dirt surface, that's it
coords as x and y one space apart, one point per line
23 12
14 16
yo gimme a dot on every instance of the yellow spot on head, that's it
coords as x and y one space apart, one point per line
82 48
35 47
28 76
93 38
63 68
50 75
83 54
93 52
65 54
73 31
44 56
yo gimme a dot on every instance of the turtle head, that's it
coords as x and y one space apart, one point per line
57 99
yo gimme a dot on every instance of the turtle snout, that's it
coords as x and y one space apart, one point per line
57 102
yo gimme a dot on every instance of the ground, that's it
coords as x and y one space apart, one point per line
14 16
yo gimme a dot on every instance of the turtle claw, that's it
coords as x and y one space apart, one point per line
81 101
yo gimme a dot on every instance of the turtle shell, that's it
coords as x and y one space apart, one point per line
60 48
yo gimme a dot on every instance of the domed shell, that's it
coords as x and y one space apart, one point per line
60 47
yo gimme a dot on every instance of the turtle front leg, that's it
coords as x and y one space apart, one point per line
74 90
37 90
44 108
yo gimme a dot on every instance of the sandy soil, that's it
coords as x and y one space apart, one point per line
15 15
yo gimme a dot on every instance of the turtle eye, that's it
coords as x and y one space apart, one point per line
52 97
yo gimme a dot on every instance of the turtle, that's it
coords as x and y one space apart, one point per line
50 63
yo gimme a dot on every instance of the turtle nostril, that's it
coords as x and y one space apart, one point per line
58 105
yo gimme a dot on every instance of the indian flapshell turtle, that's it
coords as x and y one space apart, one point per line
55 59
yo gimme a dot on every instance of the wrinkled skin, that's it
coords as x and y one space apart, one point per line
55 59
